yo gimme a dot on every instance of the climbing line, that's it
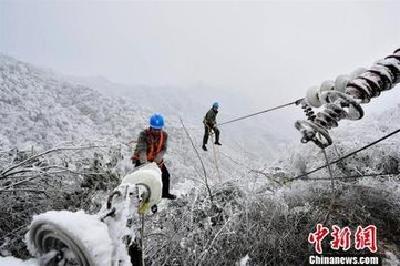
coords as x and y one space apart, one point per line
248 168
215 158
194 147
233 160
261 112
350 154
199 157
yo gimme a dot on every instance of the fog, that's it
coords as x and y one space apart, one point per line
270 51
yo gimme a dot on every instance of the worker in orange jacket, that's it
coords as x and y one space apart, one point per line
151 147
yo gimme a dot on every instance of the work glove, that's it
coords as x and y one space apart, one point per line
159 159
143 158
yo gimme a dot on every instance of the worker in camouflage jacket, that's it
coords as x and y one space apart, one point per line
151 147
210 124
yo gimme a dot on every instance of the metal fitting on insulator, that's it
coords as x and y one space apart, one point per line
110 198
313 132
308 110
311 115
109 214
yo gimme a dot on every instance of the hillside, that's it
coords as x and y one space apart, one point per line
260 218
41 110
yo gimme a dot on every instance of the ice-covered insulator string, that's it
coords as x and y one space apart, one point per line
341 98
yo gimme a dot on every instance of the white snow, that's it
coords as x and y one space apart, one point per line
11 261
85 229
149 175
243 261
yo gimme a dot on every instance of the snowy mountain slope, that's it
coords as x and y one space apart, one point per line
39 109
192 102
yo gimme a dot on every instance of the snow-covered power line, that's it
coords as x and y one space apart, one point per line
260 112
351 153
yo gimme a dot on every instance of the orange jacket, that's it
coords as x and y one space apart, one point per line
150 144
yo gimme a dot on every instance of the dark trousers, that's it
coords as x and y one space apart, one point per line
165 177
206 133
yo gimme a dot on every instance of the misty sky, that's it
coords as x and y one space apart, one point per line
275 50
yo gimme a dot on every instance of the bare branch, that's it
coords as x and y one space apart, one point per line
64 170
30 159
27 190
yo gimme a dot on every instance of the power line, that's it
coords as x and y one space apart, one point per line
261 112
350 154
352 176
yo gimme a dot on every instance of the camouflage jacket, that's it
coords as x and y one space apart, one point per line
210 118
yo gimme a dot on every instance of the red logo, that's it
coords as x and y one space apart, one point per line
341 238
364 238
317 237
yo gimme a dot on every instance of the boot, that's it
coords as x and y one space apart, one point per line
204 147
135 252
170 196
166 184
217 143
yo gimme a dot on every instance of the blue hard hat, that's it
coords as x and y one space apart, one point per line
215 105
157 121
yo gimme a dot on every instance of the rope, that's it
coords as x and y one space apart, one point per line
198 156
235 161
215 158
261 112
350 154
194 147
